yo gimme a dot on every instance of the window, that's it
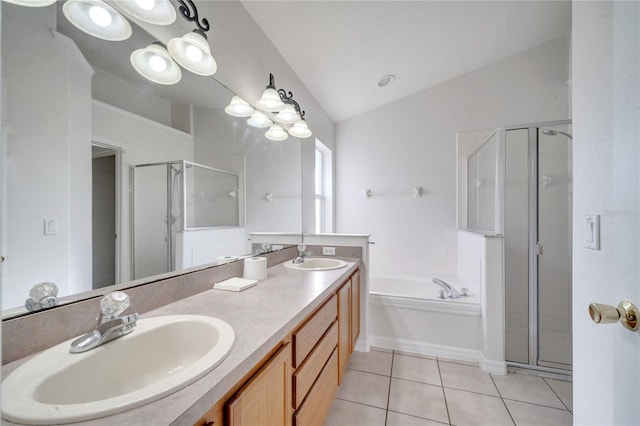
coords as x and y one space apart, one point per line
323 189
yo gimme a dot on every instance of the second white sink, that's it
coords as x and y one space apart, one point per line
161 355
317 264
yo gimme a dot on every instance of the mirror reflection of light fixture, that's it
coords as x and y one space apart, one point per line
270 100
287 115
192 50
300 130
276 133
31 3
259 120
157 12
155 64
97 18
238 107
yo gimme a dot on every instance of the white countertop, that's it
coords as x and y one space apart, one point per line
261 317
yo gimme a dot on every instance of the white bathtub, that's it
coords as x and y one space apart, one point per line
405 313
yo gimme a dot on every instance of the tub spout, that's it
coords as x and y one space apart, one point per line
450 291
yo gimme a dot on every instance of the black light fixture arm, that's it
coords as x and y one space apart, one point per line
284 97
189 11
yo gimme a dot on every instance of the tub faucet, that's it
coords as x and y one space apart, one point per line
301 254
110 324
449 290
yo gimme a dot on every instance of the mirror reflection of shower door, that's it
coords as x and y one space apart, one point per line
554 233
537 242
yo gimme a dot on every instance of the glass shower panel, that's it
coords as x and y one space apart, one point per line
555 200
150 221
482 187
516 244
212 197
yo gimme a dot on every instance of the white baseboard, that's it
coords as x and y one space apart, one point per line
450 352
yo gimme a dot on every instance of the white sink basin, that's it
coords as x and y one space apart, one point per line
162 354
316 264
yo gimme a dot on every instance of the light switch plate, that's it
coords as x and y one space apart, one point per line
592 231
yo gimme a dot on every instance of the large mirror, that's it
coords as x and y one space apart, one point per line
80 130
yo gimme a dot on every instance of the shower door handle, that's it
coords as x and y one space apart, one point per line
539 248
626 313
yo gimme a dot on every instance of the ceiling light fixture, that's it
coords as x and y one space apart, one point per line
238 107
97 18
157 12
31 3
192 50
155 64
386 80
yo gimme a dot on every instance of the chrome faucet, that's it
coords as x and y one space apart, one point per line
449 291
301 254
110 324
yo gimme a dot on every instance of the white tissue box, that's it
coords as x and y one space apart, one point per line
235 284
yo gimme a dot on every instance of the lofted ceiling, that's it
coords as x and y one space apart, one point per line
340 49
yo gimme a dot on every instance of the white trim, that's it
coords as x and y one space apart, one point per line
73 48
441 306
131 115
450 352
493 367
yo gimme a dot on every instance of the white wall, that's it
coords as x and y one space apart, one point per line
606 125
48 162
411 142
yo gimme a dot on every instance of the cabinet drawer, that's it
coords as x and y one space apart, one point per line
308 372
309 334
315 409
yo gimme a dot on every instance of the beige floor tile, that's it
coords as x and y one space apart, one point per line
416 369
398 419
353 414
365 388
535 415
564 390
527 388
373 362
467 377
418 399
468 408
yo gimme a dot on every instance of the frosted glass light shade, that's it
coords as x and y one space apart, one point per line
31 3
300 130
238 107
276 133
270 101
259 120
287 115
155 64
97 18
157 12
192 52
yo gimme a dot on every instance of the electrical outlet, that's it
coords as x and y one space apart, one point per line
329 251
275 247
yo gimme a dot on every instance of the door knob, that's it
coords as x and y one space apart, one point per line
626 313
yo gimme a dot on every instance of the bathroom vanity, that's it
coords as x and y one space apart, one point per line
295 332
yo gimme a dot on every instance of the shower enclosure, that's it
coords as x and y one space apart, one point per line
173 197
520 186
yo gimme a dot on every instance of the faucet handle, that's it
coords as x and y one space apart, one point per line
113 304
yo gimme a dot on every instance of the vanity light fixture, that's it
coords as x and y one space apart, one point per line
155 64
287 115
276 133
270 100
300 130
192 50
31 3
157 12
97 18
259 120
238 107
289 112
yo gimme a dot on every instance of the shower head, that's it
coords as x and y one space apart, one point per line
550 132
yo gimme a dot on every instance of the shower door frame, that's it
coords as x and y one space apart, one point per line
533 243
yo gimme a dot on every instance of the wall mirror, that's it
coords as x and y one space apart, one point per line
78 124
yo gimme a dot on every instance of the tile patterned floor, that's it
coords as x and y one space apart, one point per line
400 389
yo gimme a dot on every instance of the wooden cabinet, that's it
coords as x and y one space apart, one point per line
317 405
344 328
307 336
266 398
355 308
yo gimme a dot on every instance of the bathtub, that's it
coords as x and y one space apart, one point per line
405 313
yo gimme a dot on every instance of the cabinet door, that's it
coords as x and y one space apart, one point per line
266 398
355 309
344 327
